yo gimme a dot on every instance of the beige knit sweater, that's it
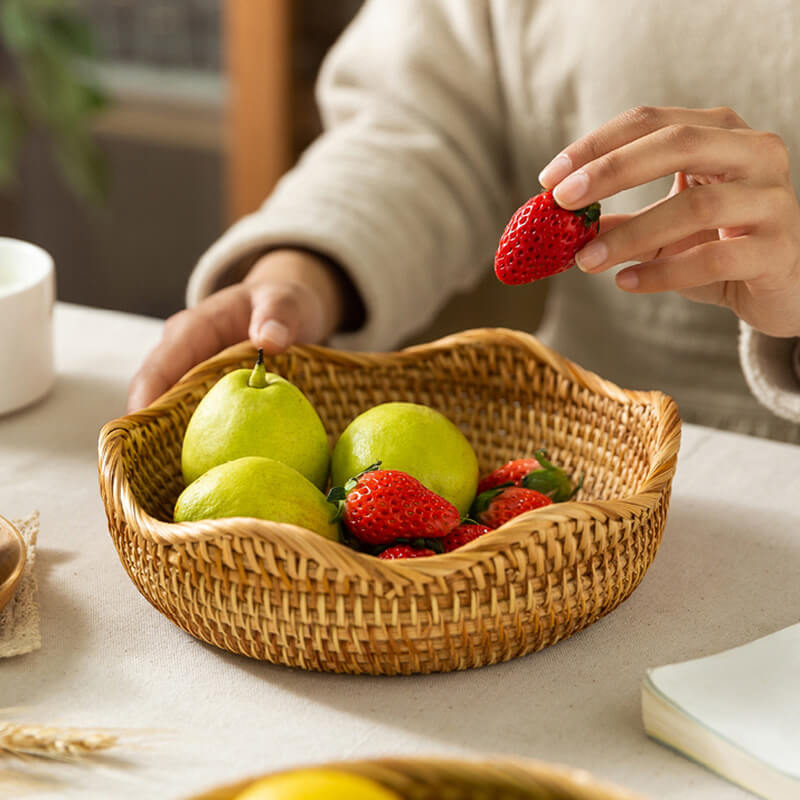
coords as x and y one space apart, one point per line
439 115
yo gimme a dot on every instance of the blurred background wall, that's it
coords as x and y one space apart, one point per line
210 101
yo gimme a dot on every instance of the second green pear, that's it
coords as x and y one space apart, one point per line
256 413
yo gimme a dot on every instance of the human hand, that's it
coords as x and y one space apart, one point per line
728 232
288 297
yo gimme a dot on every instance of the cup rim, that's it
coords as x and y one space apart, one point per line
44 266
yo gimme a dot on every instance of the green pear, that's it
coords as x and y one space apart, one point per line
257 487
256 413
414 439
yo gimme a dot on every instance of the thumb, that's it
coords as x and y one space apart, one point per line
284 314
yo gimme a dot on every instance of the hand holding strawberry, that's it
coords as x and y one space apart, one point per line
727 233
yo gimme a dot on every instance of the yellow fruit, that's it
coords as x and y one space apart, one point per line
256 413
257 487
316 784
414 439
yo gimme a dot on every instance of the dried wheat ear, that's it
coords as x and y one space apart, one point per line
61 744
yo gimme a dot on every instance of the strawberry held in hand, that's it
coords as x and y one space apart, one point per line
497 506
381 505
541 239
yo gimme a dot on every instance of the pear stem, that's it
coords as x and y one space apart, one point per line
258 377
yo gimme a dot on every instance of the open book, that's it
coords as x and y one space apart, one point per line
737 713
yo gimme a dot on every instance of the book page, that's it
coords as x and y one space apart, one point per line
749 695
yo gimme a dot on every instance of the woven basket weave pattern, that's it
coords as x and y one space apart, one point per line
285 595
451 779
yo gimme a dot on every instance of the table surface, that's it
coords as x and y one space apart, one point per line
725 574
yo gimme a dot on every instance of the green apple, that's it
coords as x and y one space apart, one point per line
259 487
256 413
316 784
414 439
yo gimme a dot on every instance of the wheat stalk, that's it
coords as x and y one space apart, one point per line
58 743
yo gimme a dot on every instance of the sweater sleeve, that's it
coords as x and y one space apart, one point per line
772 369
408 188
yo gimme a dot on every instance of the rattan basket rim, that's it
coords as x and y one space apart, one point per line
292 538
485 767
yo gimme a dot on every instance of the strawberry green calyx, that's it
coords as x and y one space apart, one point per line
484 500
551 480
590 214
371 468
336 498
258 377
338 494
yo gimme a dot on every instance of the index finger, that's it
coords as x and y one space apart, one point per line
187 343
626 128
190 336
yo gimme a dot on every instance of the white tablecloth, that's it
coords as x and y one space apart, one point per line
726 573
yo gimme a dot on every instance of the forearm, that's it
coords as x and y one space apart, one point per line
408 189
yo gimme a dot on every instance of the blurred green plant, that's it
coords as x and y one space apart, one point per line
46 50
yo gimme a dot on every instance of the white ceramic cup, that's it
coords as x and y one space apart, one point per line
27 295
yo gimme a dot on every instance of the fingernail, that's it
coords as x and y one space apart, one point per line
571 189
593 255
556 170
627 279
275 332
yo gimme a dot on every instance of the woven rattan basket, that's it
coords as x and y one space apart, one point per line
283 594
453 779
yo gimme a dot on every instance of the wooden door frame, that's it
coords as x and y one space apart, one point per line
257 40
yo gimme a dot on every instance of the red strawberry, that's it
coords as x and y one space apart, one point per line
379 506
511 472
541 239
497 506
404 551
533 473
459 536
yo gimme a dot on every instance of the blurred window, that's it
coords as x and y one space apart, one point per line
183 34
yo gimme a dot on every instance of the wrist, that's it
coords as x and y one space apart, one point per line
312 274
315 272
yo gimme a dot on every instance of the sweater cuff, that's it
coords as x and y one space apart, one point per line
339 233
771 367
261 232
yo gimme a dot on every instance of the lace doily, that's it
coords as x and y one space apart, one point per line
19 620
